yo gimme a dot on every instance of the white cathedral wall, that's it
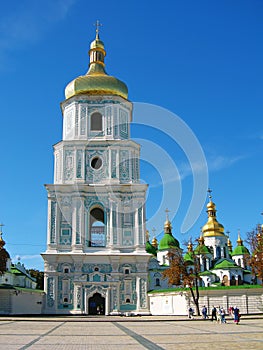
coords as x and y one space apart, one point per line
217 241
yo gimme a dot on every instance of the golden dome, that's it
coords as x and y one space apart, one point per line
155 242
229 244
167 226
96 81
212 227
190 246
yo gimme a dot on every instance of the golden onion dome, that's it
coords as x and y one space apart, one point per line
212 227
96 81
168 224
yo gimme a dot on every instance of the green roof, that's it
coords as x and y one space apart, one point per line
168 241
150 248
188 257
240 250
202 249
206 273
225 264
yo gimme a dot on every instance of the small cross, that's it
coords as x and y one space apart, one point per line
1 231
153 230
98 25
167 211
209 191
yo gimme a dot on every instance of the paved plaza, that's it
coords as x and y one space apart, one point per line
127 333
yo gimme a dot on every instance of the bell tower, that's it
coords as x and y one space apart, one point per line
96 205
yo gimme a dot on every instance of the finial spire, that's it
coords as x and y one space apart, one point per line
209 191
167 215
1 230
98 25
239 240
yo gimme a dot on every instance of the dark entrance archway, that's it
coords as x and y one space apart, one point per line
97 305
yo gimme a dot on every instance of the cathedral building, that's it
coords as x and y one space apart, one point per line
95 261
218 263
99 259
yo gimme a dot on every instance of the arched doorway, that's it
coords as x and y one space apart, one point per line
97 304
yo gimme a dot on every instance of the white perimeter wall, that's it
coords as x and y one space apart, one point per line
249 301
27 303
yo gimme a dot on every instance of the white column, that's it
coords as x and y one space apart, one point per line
138 306
74 220
107 302
110 225
118 223
82 222
136 227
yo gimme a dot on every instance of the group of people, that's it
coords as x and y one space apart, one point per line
218 314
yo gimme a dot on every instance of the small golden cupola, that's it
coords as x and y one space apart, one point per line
168 241
96 81
212 227
229 245
155 242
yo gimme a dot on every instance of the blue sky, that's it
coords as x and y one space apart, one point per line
201 60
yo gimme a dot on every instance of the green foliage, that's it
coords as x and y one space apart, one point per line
185 289
39 276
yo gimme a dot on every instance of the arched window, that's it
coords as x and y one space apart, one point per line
157 282
96 122
218 252
97 228
233 281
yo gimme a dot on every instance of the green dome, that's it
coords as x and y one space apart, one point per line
168 241
150 248
202 249
240 250
188 258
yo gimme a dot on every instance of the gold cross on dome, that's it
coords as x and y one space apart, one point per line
209 191
98 25
1 225
167 216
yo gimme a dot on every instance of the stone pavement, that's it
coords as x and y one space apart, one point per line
128 333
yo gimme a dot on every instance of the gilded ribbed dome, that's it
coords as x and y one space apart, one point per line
96 81
212 227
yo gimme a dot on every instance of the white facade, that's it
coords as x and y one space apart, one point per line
95 262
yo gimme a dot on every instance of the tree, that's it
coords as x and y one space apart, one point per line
39 276
255 240
180 272
4 256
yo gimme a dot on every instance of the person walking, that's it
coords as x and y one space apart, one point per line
218 315
191 313
213 313
204 312
236 315
223 315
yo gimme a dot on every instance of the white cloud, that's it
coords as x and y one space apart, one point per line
220 162
26 257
